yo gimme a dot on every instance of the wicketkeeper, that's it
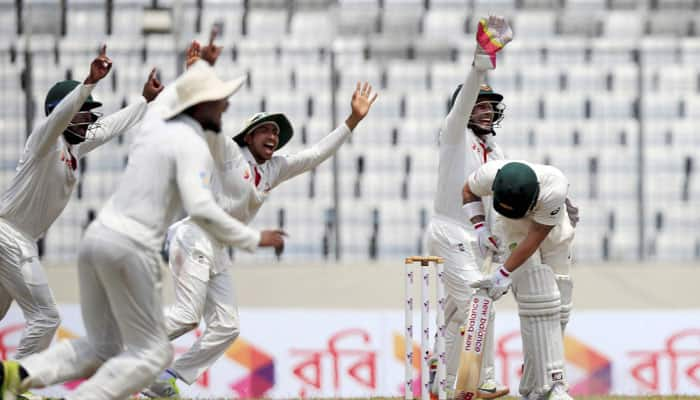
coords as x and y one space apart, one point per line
531 198
46 174
466 143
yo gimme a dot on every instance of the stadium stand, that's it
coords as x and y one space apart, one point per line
571 82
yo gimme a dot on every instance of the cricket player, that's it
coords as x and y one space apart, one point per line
466 143
531 198
170 167
46 174
249 170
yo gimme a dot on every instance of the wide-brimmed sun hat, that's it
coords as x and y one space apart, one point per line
200 84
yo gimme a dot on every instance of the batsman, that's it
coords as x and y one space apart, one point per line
467 142
531 203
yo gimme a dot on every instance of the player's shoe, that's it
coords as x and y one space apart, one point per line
164 387
11 381
490 389
558 392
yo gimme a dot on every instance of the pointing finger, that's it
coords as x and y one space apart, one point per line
103 50
213 34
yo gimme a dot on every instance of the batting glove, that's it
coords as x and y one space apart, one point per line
486 240
572 210
492 35
495 285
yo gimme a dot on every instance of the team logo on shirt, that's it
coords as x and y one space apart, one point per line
460 247
205 178
246 174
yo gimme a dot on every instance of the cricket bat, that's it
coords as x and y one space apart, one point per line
468 374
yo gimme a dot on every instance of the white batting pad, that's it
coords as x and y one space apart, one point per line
539 305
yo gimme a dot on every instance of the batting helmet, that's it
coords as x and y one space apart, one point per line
515 190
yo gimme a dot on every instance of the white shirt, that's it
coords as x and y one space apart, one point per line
553 190
170 167
237 192
461 153
47 169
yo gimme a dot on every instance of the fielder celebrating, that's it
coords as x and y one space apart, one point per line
46 174
170 166
466 142
249 170
532 200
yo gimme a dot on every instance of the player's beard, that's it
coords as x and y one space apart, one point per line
479 131
213 126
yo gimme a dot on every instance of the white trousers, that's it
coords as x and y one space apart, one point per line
126 344
200 293
22 279
452 242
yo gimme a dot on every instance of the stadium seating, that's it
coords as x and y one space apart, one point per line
570 80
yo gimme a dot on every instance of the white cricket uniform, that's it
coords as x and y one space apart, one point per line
170 167
200 263
541 286
450 234
38 193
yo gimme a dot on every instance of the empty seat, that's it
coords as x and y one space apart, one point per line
613 106
410 76
401 20
623 24
360 72
612 51
316 77
230 12
313 25
580 78
624 78
658 50
420 132
690 50
534 24
257 51
586 5
304 52
565 106
446 76
271 77
661 106
542 78
674 23
568 51
266 23
358 17
443 24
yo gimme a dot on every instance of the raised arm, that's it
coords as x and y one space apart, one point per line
493 34
45 136
121 121
290 166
